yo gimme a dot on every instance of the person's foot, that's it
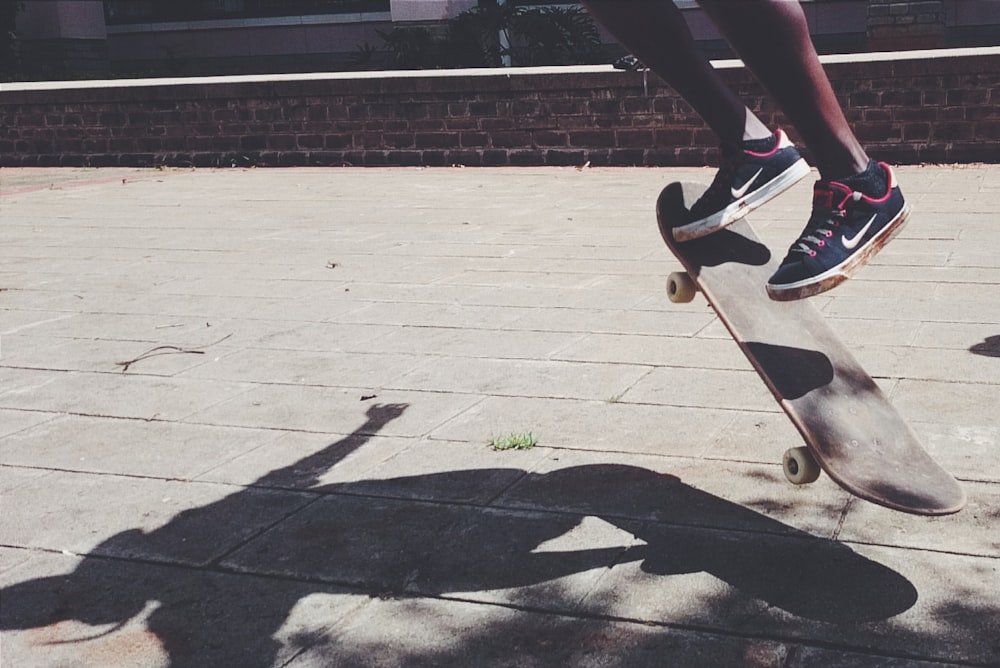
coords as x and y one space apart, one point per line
751 175
851 220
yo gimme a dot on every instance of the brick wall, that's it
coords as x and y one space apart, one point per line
905 24
907 108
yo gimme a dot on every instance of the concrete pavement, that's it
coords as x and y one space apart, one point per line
245 420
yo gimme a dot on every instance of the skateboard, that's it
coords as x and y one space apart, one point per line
850 429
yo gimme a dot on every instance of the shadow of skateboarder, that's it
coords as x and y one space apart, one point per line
364 537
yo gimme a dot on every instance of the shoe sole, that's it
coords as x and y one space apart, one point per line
831 278
726 217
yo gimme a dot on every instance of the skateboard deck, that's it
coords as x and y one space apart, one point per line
850 429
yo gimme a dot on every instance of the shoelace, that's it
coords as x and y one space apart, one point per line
821 227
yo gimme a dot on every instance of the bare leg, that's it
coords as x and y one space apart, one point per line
656 33
772 38
857 206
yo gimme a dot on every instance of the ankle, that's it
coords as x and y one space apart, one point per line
761 145
736 150
871 181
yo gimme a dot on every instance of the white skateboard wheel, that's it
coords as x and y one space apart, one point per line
800 466
680 288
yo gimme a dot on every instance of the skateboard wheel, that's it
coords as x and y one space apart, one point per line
680 288
800 466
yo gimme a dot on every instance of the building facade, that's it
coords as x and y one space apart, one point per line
137 38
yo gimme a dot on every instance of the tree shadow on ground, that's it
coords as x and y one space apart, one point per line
989 347
374 538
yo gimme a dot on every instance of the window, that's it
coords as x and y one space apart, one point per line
119 12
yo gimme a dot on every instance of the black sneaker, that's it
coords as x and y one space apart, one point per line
844 232
750 176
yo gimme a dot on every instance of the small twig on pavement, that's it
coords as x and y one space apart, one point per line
168 350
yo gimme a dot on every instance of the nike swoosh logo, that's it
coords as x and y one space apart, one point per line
740 192
850 244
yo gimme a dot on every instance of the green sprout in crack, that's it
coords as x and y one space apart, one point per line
512 441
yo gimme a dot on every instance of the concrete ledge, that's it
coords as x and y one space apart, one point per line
908 107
